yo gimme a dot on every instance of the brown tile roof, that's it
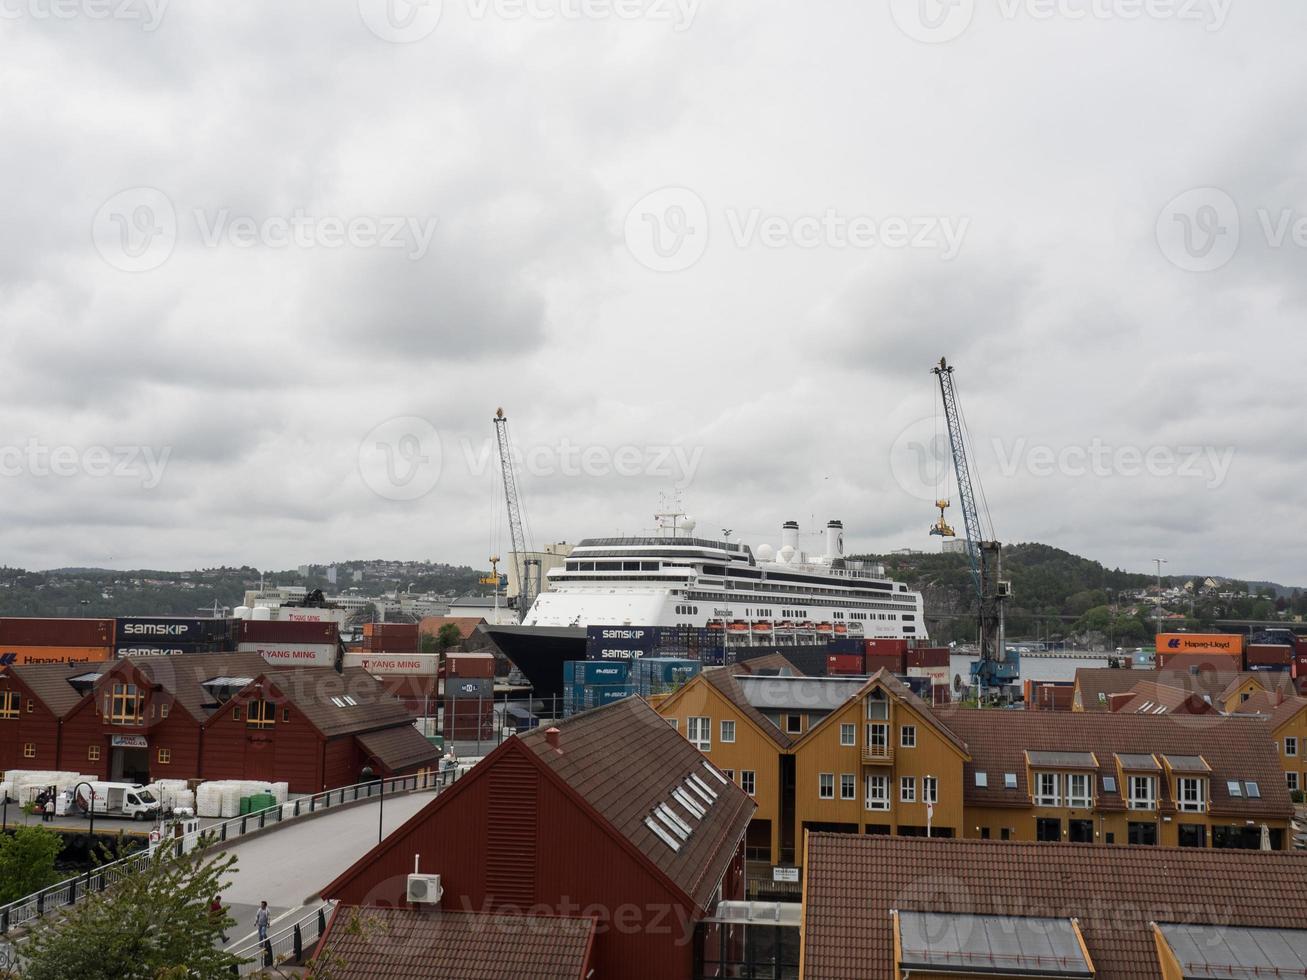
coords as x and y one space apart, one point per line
1267 680
623 760
398 748
1149 696
1096 685
1237 748
413 944
723 679
466 624
49 682
183 675
1278 710
852 882
311 690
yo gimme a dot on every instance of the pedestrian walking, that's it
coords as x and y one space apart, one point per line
217 915
47 814
261 920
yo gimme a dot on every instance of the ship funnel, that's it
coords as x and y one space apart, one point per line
834 539
790 535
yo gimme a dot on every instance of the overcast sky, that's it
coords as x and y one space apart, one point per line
267 270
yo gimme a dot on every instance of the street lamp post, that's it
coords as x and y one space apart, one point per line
368 775
91 810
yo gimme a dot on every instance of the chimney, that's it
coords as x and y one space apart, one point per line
790 535
551 737
1115 702
834 539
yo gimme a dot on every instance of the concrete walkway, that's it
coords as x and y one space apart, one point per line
287 867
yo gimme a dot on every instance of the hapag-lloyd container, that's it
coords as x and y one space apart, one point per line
18 655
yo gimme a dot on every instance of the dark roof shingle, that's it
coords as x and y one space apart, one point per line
398 748
417 944
853 881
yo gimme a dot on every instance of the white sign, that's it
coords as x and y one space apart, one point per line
292 654
427 664
785 874
128 742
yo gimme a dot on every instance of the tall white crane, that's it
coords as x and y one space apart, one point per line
521 562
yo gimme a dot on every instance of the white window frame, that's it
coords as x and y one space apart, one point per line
1079 790
698 731
1043 798
929 789
724 730
1291 746
1148 801
881 728
1196 805
848 735
881 800
907 789
848 786
904 732
1291 780
825 785
749 781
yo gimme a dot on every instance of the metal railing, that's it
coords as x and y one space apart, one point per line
290 945
74 889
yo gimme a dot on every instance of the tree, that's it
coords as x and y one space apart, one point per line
449 636
27 862
151 925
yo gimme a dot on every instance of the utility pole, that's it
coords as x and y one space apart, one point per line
1160 562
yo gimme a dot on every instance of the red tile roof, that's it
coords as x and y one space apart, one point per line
418 944
1236 747
314 692
623 760
852 882
1271 704
1149 696
1096 684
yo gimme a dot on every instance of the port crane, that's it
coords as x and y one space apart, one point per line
521 562
984 554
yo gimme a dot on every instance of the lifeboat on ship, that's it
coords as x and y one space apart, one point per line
825 629
762 626
841 628
738 626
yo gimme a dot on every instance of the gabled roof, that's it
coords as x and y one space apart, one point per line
895 687
49 683
1096 685
776 662
347 703
1267 680
723 680
418 944
1278 709
183 675
852 882
398 748
1152 698
624 760
620 763
1236 748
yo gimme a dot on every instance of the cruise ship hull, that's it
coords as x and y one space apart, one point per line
539 652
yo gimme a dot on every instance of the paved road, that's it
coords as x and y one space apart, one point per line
289 866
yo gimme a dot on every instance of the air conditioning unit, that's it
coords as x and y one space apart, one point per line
424 889
1005 589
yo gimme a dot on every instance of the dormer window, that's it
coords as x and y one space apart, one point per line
1191 794
1143 793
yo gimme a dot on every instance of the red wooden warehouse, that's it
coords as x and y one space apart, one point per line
611 814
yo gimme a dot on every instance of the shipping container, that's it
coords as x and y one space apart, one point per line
269 631
1269 655
920 686
474 688
1198 661
1227 643
17 655
469 720
595 672
294 654
893 662
391 637
470 664
56 632
164 649
844 664
619 642
171 630
927 657
379 664
887 647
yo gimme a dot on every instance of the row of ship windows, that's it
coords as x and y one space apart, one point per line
908 607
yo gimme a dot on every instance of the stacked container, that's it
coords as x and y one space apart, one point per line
661 675
469 697
147 636
69 641
390 637
286 644
591 683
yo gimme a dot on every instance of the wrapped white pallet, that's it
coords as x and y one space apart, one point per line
281 791
231 800
208 800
